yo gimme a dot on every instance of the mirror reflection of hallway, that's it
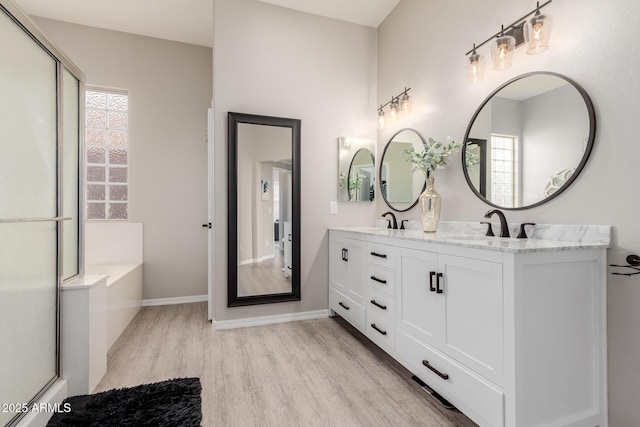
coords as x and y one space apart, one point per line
264 210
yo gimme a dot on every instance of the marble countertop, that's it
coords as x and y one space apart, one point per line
543 237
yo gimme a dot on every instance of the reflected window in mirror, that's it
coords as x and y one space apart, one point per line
264 209
536 127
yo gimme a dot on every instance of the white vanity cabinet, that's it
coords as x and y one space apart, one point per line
511 332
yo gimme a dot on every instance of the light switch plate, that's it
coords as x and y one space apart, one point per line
333 207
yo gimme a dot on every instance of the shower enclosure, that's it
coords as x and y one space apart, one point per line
40 219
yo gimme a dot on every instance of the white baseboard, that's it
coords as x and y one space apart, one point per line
269 320
54 396
172 301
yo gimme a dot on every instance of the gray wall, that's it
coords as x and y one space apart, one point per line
603 59
169 88
280 62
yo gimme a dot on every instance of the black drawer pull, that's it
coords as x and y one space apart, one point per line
377 304
378 255
438 288
435 371
373 325
431 274
345 254
375 279
346 307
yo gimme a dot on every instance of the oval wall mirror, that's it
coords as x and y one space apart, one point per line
361 176
400 185
529 140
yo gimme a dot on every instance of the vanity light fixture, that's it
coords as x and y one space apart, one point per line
502 51
398 104
476 66
535 32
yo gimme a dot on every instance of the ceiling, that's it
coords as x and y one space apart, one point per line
188 21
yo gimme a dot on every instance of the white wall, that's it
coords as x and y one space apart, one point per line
604 58
169 88
280 62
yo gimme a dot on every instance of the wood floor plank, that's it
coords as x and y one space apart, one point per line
308 373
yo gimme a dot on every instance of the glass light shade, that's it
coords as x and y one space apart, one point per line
395 109
404 104
502 52
380 119
475 70
537 33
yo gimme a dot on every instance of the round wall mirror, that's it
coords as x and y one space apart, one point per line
361 176
529 140
400 186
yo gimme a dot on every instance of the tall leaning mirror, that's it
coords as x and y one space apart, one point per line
529 140
264 209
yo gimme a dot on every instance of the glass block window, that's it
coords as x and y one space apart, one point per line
503 170
107 154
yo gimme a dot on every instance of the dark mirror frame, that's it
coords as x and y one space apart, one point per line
233 120
583 161
383 193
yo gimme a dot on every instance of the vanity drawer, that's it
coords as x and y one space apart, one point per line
381 255
479 400
380 327
346 308
381 279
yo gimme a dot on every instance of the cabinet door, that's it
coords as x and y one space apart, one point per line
419 307
356 270
348 267
338 264
473 317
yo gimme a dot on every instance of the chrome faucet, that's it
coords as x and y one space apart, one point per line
504 227
393 224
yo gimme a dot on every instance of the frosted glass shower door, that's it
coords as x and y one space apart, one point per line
28 223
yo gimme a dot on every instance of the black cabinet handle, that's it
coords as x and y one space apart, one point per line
346 307
377 304
378 255
431 274
375 279
438 288
207 225
345 254
373 325
435 371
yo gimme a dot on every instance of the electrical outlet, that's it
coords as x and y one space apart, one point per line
333 207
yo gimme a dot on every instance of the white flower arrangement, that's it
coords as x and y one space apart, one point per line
435 156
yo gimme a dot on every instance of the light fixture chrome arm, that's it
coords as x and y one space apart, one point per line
508 27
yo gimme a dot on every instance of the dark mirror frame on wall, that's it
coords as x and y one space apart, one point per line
233 120
585 157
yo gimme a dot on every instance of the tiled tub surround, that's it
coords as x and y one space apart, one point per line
511 331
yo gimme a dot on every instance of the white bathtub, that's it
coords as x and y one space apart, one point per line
124 295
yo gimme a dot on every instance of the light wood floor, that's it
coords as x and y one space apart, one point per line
307 373
266 277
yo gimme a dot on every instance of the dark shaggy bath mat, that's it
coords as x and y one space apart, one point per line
167 403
